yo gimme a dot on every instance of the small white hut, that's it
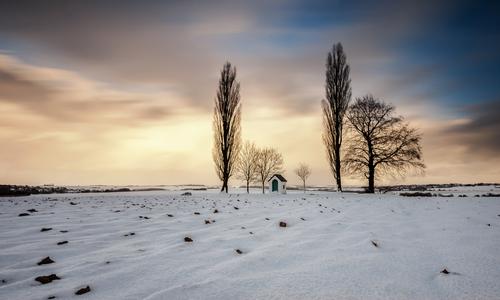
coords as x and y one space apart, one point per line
277 184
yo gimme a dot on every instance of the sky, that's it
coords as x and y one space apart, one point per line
121 92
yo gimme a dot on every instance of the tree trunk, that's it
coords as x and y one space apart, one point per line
337 170
304 186
248 183
224 185
371 179
371 169
263 187
339 183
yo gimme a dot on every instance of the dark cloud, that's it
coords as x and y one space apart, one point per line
481 134
50 97
15 89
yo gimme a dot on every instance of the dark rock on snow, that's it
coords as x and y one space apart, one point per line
83 290
45 261
47 279
188 239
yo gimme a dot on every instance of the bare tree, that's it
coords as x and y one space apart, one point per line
226 125
382 143
303 171
247 164
269 162
338 96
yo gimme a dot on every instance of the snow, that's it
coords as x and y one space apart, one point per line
328 255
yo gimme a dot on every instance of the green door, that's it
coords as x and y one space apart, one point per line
275 185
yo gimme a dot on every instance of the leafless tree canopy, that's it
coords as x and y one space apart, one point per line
338 96
269 162
247 163
226 125
381 143
303 171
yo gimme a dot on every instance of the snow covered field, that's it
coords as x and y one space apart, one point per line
335 246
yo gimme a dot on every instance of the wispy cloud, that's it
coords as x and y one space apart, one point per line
66 96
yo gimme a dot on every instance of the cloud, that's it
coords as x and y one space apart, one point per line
279 48
67 97
181 45
480 133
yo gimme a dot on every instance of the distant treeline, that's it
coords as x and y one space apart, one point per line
425 187
429 194
26 190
